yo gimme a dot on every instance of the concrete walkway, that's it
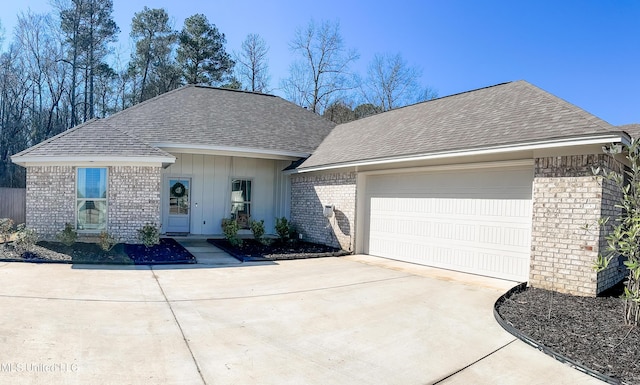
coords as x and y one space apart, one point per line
350 320
206 253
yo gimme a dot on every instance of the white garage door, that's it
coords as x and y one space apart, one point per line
475 221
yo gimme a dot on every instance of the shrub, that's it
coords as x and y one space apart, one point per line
68 236
624 239
26 238
6 229
106 241
282 228
257 228
149 235
230 229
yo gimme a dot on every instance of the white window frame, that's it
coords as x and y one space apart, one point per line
249 203
105 200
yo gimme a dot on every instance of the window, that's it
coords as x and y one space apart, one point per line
241 202
91 197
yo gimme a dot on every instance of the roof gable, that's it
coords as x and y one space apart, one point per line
500 115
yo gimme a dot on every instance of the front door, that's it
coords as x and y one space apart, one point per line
179 210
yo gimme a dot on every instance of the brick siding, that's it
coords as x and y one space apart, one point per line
310 193
566 197
51 199
133 199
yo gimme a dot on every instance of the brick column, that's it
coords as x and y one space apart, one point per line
566 197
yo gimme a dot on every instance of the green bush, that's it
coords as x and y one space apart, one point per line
230 229
68 236
6 229
257 228
106 241
624 238
149 235
282 228
26 238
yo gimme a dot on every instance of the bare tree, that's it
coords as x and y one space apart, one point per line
252 66
14 97
321 72
42 52
392 83
339 112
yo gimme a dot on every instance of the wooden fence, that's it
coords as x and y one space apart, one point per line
13 204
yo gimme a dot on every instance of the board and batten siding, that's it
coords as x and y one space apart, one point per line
211 177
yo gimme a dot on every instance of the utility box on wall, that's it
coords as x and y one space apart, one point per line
328 211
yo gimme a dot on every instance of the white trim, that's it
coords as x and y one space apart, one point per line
92 161
106 201
588 140
231 151
453 167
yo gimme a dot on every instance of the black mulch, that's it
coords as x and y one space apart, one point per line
167 252
590 331
251 250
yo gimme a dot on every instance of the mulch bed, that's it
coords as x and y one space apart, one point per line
167 252
589 331
251 250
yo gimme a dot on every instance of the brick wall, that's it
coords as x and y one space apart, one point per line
133 199
566 197
51 199
309 194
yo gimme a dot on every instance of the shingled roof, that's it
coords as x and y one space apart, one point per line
208 116
93 140
192 117
632 129
501 115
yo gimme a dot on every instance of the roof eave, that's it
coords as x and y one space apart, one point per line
247 152
613 137
26 160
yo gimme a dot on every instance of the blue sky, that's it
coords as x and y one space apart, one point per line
584 51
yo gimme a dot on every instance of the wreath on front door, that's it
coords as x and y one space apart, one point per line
178 190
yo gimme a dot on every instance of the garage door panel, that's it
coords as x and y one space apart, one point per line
477 222
500 209
465 259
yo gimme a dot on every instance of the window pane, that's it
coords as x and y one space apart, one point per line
241 202
247 196
179 197
92 183
92 215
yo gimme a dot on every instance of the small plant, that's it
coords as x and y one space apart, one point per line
257 228
149 235
68 236
107 241
624 238
6 229
26 238
282 228
230 229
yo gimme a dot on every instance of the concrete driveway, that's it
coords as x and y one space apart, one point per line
351 320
